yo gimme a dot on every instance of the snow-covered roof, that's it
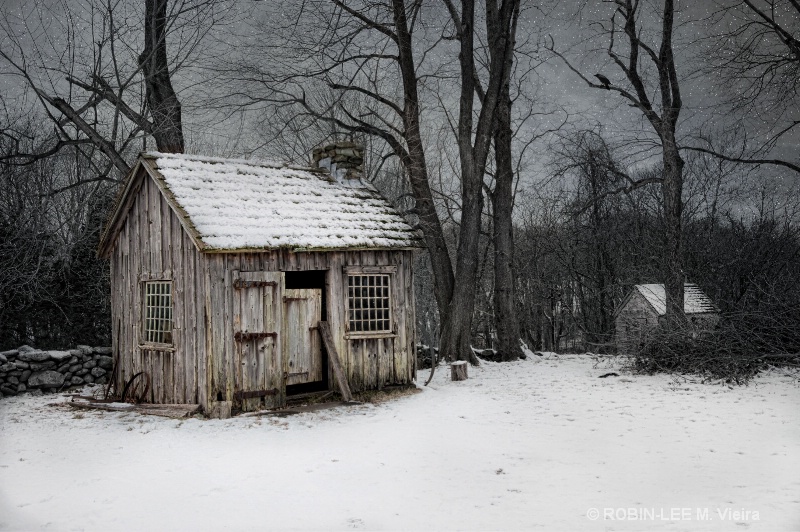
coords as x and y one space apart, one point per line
238 205
694 300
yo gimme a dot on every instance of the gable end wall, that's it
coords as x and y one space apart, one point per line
633 322
152 244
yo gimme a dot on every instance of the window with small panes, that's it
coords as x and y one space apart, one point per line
369 303
157 310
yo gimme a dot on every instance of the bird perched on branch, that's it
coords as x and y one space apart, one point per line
604 80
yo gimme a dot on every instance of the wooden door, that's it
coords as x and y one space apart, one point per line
302 311
257 338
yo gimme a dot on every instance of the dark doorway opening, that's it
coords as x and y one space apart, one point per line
314 279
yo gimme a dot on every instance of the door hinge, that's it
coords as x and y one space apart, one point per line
239 284
240 336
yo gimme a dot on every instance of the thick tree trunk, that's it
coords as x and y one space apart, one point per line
165 109
672 184
457 325
672 187
456 330
505 316
416 165
443 279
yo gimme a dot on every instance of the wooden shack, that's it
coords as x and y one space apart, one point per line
645 306
222 271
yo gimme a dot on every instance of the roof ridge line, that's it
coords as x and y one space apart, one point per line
212 159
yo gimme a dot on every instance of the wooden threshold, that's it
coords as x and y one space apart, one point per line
170 410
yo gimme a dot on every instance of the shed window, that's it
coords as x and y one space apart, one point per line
158 312
368 302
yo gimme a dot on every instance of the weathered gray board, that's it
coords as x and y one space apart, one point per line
302 310
336 364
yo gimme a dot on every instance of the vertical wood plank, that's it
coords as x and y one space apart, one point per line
190 313
143 263
154 229
277 362
400 316
411 317
185 351
354 348
336 365
224 316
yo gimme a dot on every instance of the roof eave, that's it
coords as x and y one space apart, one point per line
209 250
121 206
183 216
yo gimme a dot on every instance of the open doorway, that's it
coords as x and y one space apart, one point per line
305 302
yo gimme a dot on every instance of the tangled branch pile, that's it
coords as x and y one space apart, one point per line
743 344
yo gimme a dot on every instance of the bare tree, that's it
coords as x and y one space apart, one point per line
366 55
69 129
474 142
162 102
661 111
92 96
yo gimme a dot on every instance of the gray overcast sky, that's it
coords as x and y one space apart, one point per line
570 23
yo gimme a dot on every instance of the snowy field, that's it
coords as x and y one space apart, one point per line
530 445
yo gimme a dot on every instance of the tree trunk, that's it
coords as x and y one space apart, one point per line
672 187
455 341
165 109
457 325
500 26
416 165
505 316
458 371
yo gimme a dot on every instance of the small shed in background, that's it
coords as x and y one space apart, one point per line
644 307
222 270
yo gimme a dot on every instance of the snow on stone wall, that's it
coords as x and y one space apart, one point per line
27 369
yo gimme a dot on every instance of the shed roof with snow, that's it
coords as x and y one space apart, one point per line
695 301
247 205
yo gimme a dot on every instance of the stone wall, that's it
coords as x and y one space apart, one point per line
27 369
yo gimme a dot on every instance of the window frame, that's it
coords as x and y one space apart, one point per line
145 344
365 271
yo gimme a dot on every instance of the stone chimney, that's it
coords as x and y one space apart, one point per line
343 159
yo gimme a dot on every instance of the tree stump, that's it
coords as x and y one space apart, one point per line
458 370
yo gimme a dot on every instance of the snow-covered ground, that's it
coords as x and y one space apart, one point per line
530 445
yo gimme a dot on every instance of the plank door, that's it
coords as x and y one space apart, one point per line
257 339
302 311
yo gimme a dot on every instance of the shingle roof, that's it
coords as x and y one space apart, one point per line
694 300
236 205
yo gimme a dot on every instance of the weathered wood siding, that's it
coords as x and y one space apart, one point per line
201 367
368 363
152 245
